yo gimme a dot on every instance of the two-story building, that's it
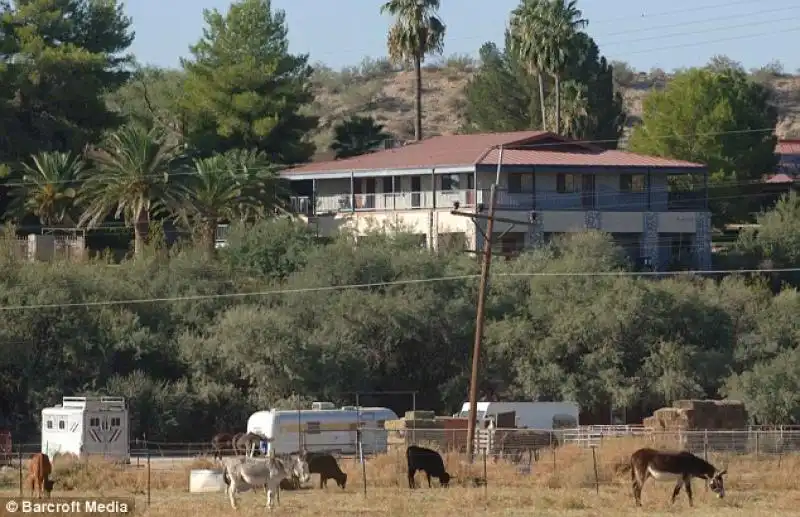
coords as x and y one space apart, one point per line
656 208
788 152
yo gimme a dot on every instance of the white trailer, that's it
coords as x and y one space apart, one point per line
531 415
87 426
323 430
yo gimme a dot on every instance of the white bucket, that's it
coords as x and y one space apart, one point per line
206 480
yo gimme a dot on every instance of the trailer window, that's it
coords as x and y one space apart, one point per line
62 425
94 422
312 428
50 424
115 421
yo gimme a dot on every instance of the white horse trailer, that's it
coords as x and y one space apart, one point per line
323 430
87 426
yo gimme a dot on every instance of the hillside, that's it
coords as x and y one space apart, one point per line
374 88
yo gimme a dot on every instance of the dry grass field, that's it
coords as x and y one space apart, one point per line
563 484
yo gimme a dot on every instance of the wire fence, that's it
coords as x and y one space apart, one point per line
594 456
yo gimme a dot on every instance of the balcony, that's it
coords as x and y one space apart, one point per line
604 199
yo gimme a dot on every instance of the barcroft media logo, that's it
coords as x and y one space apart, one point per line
66 506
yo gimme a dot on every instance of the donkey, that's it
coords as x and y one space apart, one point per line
241 475
673 466
248 443
220 444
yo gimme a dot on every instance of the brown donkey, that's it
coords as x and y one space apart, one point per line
673 466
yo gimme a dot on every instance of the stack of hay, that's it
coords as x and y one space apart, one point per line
416 427
700 415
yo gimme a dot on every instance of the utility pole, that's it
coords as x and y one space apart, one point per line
488 241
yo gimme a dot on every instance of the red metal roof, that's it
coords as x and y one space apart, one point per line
788 147
780 178
520 148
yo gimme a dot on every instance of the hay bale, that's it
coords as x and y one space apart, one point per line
395 425
420 415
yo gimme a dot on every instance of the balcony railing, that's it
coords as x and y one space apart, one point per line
546 200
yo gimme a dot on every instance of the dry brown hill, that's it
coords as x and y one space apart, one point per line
375 88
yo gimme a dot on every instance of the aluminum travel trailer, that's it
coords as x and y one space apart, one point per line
533 415
323 430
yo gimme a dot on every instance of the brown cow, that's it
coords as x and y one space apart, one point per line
39 470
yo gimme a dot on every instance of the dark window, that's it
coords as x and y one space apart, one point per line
632 183
515 183
565 183
312 428
450 182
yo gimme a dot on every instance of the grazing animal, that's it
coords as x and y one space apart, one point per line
327 467
240 475
428 461
248 443
39 470
220 444
234 439
673 466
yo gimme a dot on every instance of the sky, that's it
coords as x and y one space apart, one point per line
645 33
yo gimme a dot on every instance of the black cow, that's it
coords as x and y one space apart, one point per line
428 461
326 466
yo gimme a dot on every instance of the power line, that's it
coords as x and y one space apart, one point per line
275 292
707 42
690 33
707 20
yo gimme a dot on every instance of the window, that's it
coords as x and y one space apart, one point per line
632 183
566 184
49 424
115 422
450 182
312 428
94 422
515 183
388 185
62 425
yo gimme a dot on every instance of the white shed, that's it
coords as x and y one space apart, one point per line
87 426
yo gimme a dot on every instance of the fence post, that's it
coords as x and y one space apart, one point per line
485 478
363 463
594 463
758 444
148 477
19 462
705 444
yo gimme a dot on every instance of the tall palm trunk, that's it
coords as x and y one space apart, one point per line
418 96
558 103
541 100
141 229
209 235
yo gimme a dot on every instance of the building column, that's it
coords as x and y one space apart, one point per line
650 248
702 241
592 220
535 237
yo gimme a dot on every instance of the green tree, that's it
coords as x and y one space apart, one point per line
501 96
556 43
236 186
243 87
130 177
356 136
417 32
524 44
716 118
153 97
59 58
48 188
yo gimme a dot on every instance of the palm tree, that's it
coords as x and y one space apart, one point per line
356 136
417 32
237 185
544 36
48 188
562 20
525 29
131 177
